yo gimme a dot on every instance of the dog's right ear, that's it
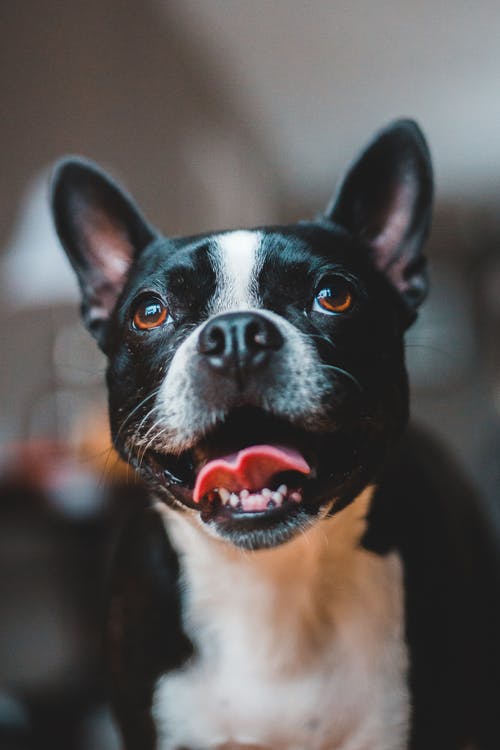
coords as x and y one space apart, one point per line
102 232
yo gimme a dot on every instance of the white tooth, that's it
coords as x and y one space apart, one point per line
244 494
277 497
234 500
283 489
224 495
266 492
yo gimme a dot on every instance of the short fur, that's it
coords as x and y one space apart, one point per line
363 617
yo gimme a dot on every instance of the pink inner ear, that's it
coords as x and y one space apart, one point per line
395 226
110 254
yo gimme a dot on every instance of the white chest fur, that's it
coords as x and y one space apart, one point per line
297 648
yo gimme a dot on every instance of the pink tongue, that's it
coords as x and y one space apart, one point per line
249 469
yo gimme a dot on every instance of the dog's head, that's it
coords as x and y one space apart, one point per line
256 377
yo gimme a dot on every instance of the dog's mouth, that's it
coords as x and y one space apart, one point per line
253 480
252 470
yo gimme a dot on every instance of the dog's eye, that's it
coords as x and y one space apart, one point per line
337 296
150 312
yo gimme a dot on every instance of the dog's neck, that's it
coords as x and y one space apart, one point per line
317 570
315 622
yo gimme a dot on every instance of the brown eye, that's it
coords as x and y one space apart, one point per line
150 312
335 297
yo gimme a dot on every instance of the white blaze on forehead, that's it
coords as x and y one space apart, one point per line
237 264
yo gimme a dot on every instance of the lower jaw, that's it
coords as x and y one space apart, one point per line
255 531
252 530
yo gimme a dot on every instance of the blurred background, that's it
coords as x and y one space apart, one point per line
215 114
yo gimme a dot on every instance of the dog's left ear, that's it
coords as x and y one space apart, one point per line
385 199
102 231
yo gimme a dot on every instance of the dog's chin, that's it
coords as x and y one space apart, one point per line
307 475
263 528
257 528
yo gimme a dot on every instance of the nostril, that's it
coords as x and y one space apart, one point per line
255 337
212 340
263 335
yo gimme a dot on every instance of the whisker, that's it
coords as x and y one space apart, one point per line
346 373
144 420
322 337
135 409
135 437
143 440
148 445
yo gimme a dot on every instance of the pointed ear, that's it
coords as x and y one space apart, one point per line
386 200
102 232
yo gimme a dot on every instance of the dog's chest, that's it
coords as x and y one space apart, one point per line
296 648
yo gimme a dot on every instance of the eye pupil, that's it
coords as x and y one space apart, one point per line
149 313
337 297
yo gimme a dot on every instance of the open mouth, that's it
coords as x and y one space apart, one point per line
253 467
253 479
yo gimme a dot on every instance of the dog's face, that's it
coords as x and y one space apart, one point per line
256 377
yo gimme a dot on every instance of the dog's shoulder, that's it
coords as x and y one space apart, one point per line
427 509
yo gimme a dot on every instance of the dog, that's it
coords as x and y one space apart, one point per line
311 575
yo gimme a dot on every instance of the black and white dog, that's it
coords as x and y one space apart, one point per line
310 576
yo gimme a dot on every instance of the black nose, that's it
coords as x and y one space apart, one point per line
239 342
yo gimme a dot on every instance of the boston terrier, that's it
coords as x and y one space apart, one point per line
310 575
